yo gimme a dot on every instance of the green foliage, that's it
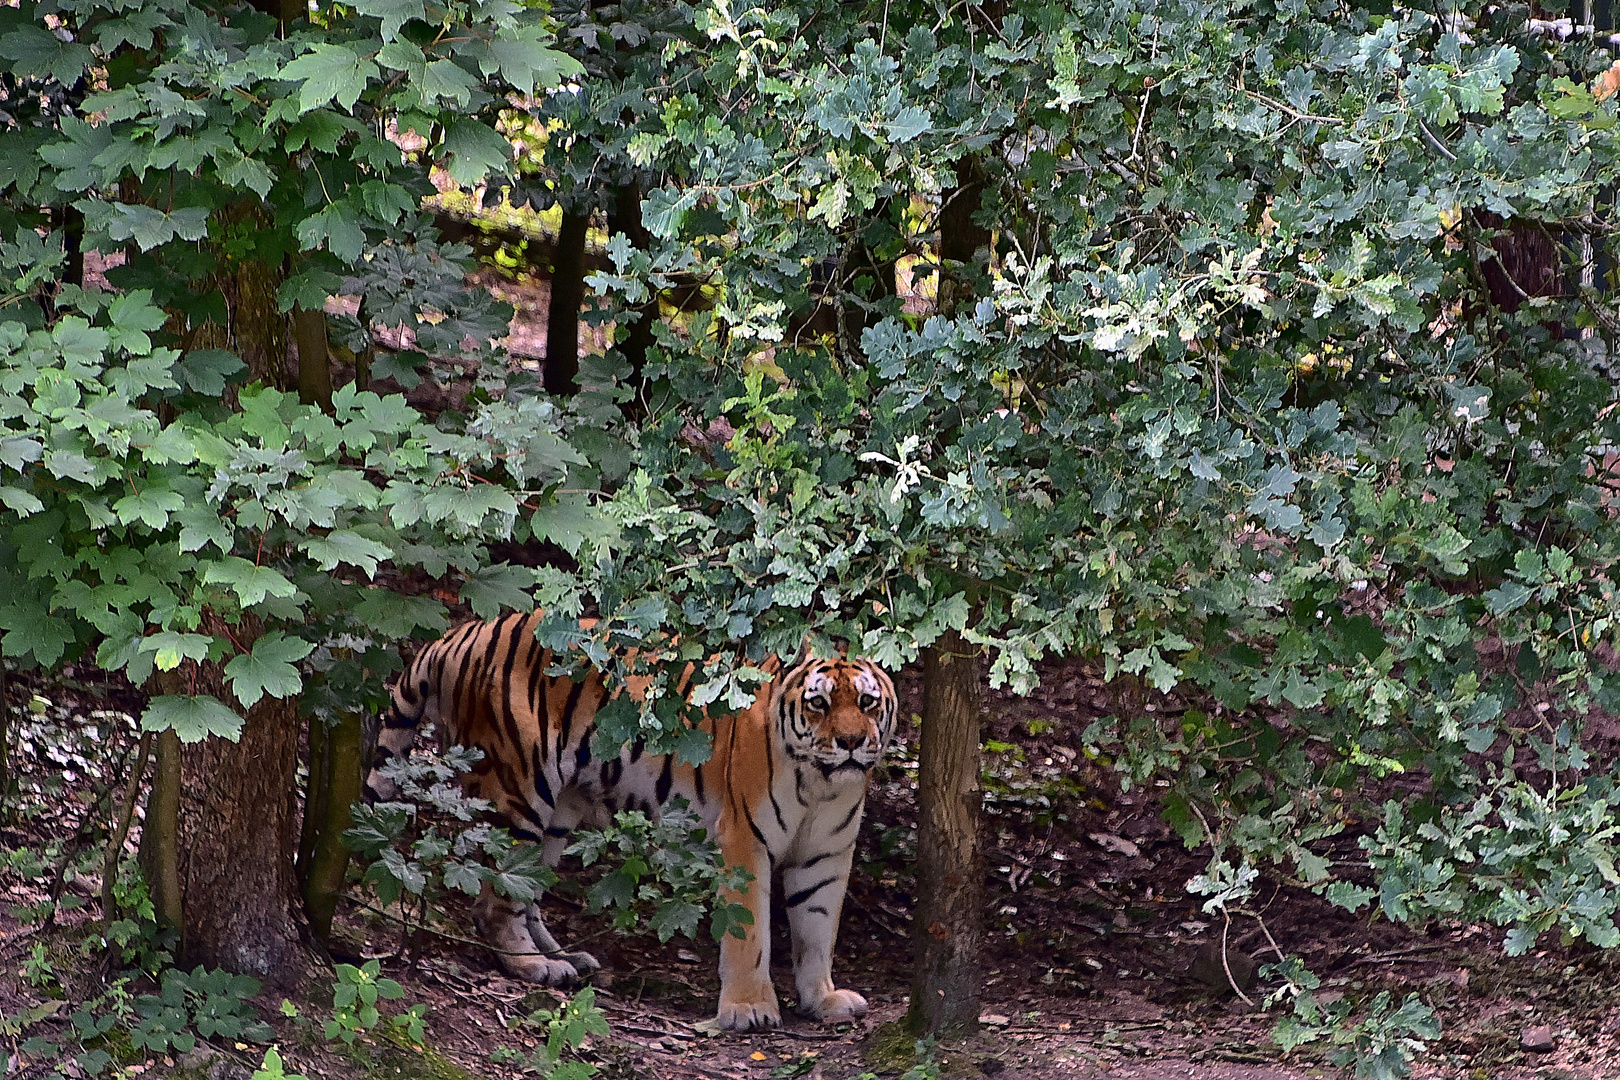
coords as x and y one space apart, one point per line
142 942
354 1004
413 864
565 1030
210 1004
669 866
1380 1042
271 1068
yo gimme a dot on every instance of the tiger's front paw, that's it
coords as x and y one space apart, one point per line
749 1015
545 970
836 1006
583 962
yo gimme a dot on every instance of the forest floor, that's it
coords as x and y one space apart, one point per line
1097 963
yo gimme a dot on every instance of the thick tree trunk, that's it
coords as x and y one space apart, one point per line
220 830
949 928
567 294
259 330
236 836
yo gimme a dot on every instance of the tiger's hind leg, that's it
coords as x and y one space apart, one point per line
504 925
565 818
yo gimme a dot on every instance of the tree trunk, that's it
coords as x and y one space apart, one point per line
220 831
160 836
567 294
342 784
625 217
949 927
120 832
960 237
5 748
314 358
259 328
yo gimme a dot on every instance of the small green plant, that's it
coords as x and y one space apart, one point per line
200 1002
669 867
272 1069
565 1030
38 971
926 1066
141 941
414 865
1380 1043
354 1005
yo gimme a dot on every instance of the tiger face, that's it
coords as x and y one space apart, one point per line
837 715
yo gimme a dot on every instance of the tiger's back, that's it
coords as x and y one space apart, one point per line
783 790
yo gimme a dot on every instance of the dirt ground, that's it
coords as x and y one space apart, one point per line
1092 963
1097 962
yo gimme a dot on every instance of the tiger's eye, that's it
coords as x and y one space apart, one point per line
868 701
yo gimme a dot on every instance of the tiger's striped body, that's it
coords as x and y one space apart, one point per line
783 791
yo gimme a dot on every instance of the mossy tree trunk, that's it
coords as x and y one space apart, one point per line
948 931
336 781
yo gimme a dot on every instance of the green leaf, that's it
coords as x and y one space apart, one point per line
32 630
346 546
527 63
268 669
171 648
152 508
393 13
191 718
250 583
491 589
475 150
394 616
17 499
36 51
330 72
445 79
338 229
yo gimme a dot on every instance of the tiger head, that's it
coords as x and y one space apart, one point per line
836 714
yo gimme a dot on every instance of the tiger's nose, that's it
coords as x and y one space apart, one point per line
850 742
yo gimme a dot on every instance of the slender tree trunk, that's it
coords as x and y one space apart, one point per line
329 856
160 836
949 928
314 358
567 294
5 748
120 832
625 217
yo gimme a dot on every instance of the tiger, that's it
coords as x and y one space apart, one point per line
783 793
